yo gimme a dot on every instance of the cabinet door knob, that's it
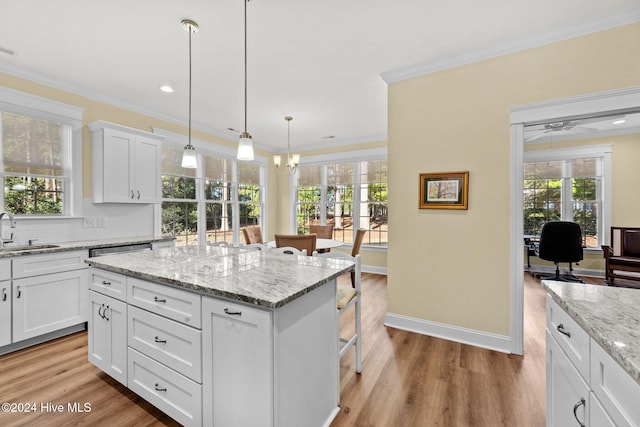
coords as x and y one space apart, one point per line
232 313
4 294
158 388
156 299
563 331
580 403
158 340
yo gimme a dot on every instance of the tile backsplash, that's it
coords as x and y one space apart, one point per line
99 221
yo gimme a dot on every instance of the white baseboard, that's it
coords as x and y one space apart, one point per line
374 269
476 338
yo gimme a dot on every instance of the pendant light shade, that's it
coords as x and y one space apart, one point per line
245 144
189 159
245 147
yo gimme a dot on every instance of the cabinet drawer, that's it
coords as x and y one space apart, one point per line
614 388
36 265
108 283
172 393
5 269
176 304
176 345
573 340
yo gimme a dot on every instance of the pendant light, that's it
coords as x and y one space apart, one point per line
292 159
189 154
245 145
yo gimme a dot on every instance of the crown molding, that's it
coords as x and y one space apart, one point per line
429 67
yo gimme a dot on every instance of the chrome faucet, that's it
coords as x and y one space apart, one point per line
13 225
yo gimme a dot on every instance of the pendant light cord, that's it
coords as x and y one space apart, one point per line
245 65
190 31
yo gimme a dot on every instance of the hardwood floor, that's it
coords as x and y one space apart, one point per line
407 379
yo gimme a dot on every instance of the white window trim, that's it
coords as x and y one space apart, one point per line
178 140
592 151
36 106
354 157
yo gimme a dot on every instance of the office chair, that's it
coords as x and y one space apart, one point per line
561 241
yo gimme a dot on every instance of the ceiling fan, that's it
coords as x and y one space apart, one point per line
568 126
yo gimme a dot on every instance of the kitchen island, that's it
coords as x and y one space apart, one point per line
220 336
593 355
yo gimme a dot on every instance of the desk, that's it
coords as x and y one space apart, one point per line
320 244
531 242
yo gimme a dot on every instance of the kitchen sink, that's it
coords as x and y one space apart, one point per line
26 248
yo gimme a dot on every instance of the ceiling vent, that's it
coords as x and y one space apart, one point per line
8 51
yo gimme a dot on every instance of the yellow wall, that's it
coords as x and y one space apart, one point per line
450 266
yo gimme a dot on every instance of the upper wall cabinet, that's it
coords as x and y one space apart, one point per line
126 164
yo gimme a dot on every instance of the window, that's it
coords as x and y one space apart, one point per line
571 188
211 203
347 195
40 141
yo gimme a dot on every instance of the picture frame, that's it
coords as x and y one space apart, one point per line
446 190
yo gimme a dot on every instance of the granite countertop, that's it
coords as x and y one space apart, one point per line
250 276
42 248
611 316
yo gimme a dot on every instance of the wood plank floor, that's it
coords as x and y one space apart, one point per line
407 379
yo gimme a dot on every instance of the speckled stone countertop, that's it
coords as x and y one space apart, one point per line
610 315
250 276
37 248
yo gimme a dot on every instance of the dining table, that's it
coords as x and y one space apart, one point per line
320 243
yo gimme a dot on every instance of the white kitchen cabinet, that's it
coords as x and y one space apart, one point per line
585 385
108 335
126 164
5 302
237 356
47 303
282 363
567 392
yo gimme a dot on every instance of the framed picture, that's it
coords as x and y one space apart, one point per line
444 190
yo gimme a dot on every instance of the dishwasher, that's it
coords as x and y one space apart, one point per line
112 250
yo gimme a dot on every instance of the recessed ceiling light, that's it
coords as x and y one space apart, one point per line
166 89
619 122
328 137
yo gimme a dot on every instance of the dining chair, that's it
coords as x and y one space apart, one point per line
287 250
347 297
298 241
323 232
357 243
252 234
255 247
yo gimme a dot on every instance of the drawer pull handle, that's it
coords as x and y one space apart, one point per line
99 313
156 299
104 314
19 292
160 389
563 331
232 313
104 282
158 340
132 195
138 194
575 411
4 294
